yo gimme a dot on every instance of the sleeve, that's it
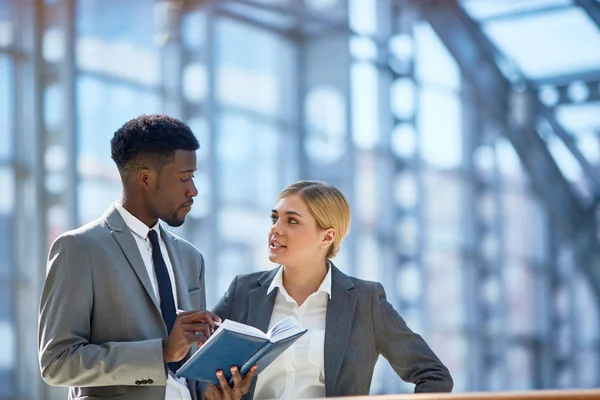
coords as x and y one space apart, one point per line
224 306
66 356
406 351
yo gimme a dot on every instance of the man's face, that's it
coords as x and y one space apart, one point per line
171 197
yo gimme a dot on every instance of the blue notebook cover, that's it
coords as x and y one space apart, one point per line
228 348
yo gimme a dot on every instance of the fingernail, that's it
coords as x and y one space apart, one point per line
220 373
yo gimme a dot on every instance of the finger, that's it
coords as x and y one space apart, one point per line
248 379
204 328
201 316
223 384
194 337
237 378
209 393
213 316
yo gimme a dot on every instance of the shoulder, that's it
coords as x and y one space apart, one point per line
185 246
360 287
254 279
367 289
85 234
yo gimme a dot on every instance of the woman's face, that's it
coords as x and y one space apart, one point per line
295 239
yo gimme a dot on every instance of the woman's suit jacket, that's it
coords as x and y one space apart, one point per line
360 325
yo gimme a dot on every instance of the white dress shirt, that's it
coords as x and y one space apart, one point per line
177 388
299 372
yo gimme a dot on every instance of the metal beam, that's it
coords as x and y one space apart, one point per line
477 61
568 140
592 8
564 97
565 79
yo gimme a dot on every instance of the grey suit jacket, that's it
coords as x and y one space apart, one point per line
100 325
360 324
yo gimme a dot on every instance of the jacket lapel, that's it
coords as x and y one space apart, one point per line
260 305
129 247
183 299
260 309
338 326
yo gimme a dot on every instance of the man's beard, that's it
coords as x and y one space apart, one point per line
174 220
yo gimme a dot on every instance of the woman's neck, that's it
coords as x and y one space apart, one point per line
301 282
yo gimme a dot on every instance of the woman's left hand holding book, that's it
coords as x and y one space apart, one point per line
224 391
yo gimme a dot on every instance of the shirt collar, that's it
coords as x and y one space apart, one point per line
278 283
134 224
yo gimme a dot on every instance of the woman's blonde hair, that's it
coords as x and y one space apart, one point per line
327 205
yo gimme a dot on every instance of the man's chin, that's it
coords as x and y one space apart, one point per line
174 221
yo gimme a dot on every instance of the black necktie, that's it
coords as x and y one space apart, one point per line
165 290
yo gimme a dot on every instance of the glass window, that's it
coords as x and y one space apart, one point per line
116 38
363 16
576 118
247 152
252 65
525 226
95 197
439 123
6 113
519 361
365 105
6 25
519 286
325 122
548 44
193 29
444 224
7 351
102 108
434 64
131 20
444 280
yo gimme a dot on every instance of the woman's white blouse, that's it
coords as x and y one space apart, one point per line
299 373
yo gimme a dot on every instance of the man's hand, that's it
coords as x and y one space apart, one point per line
226 392
189 327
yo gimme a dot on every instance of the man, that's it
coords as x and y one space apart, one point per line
108 320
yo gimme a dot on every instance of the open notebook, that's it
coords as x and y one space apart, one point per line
234 343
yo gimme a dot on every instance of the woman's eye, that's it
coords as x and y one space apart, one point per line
273 218
293 221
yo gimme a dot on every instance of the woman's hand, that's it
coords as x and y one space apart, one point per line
226 392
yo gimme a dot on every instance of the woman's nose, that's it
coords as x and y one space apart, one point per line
275 228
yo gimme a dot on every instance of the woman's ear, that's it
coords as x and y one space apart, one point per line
328 237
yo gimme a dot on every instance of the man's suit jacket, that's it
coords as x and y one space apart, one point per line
360 324
101 330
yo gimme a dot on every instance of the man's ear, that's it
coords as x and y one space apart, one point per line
328 237
145 177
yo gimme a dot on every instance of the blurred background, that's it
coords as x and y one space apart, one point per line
464 133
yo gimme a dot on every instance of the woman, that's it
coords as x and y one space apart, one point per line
349 320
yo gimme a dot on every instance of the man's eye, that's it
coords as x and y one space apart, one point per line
187 178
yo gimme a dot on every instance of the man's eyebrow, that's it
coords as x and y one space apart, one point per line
188 171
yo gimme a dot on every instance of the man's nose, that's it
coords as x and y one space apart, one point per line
193 190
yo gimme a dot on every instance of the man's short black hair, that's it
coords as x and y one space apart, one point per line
150 141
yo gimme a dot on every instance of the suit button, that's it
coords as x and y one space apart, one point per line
138 382
150 381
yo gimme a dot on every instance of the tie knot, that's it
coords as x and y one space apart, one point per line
153 236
